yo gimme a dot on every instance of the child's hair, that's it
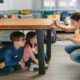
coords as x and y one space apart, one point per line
76 16
29 36
15 36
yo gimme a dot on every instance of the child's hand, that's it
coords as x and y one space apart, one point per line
46 65
22 64
2 65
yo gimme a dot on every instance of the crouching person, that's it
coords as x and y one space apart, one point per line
11 56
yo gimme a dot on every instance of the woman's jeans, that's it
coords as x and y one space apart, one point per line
74 52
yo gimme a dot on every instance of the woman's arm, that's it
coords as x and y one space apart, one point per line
64 27
74 40
70 38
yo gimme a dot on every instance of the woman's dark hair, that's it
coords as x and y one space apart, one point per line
29 36
15 36
75 16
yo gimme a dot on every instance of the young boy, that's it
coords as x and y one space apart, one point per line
11 56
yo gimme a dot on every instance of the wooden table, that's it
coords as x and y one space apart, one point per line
32 24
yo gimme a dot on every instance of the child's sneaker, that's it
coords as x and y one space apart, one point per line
33 67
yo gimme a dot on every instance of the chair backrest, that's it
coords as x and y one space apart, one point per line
53 36
64 14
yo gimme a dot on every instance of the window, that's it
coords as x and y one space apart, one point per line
60 4
67 4
49 3
73 3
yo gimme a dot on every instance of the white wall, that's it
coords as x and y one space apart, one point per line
79 5
4 6
16 4
37 4
22 4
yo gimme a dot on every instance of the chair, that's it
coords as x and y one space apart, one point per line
64 14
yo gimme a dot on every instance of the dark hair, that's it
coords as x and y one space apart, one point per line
29 36
15 36
75 16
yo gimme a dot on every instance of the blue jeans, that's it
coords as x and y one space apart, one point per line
9 70
74 52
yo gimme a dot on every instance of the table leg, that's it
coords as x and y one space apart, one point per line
48 45
41 51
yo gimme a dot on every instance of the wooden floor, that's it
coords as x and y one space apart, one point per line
60 68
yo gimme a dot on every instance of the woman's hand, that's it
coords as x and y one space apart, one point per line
62 38
55 23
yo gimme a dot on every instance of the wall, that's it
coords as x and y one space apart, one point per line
4 6
79 5
16 5
22 4
37 4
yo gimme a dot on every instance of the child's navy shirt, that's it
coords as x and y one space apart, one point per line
11 56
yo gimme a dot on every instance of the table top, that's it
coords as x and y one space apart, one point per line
22 24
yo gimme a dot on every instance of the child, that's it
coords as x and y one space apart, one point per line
11 56
30 49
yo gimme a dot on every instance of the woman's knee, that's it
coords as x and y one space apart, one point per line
68 49
75 56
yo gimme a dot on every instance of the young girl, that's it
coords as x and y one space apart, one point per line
30 50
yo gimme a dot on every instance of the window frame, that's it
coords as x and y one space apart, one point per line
58 7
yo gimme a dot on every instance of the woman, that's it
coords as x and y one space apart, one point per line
73 50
